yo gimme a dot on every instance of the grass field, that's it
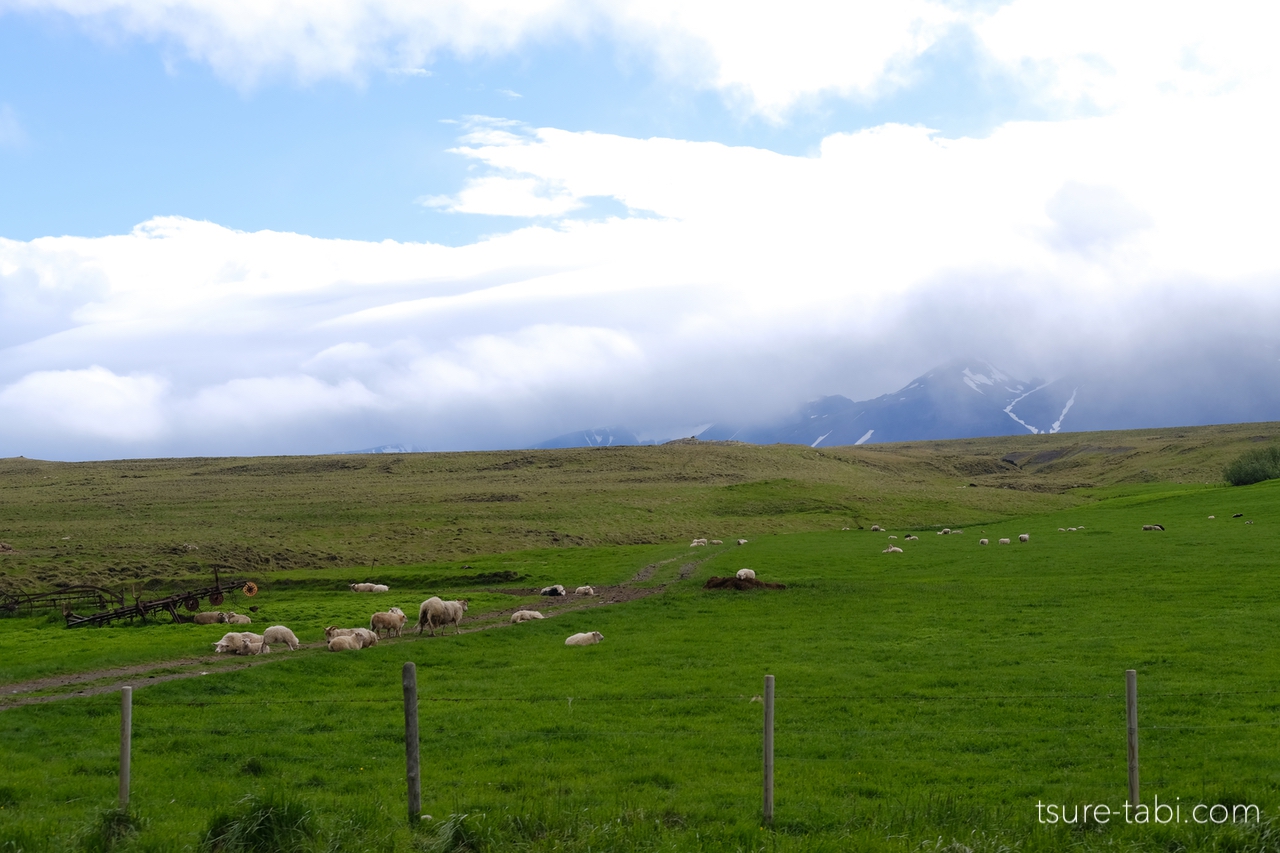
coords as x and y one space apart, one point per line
927 700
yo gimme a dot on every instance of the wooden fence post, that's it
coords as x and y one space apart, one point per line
126 742
413 770
1131 712
768 749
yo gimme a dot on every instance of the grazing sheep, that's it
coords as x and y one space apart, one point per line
555 589
585 590
584 639
744 542
697 542
435 613
746 574
214 618
1071 530
235 618
392 621
717 542
280 634
945 531
1003 542
524 616
982 542
1023 537
892 549
345 644
1153 527
875 528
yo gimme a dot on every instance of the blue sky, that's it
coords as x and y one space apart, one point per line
481 224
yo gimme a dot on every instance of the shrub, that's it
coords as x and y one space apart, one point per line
258 825
1253 466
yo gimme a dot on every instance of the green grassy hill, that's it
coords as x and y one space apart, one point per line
927 700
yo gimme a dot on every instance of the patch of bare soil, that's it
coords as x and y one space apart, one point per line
108 680
740 583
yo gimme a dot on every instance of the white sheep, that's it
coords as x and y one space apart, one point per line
363 636
280 634
695 543
875 528
585 590
584 639
525 616
392 621
717 542
982 542
554 589
1153 527
912 539
214 618
345 644
370 587
744 542
746 574
245 643
891 536
892 549
1004 542
435 613
1062 530
230 644
1023 537
235 618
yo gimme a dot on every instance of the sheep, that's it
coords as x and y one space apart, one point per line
746 574
280 634
214 618
254 644
235 618
744 542
891 536
363 636
892 549
369 587
1062 530
912 539
983 542
1023 537
695 543
435 613
554 589
1071 530
1152 527
717 542
584 639
231 643
875 528
525 616
956 532
945 531
1211 516
344 644
1003 542
392 621
585 590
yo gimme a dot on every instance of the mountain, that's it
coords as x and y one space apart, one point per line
384 448
600 437
964 398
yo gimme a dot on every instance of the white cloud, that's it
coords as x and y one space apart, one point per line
12 134
762 279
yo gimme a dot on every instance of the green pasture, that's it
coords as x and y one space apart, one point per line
926 700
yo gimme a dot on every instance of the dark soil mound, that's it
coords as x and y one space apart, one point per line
740 583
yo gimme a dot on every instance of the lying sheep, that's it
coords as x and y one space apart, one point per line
370 587
554 589
746 574
280 634
524 616
892 549
1004 542
246 643
392 621
695 543
717 542
435 613
744 542
891 536
944 531
585 590
1153 527
215 618
236 619
912 539
345 644
1023 537
584 639
363 636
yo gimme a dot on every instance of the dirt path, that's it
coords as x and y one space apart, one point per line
100 681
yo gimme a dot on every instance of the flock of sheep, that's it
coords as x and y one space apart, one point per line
433 614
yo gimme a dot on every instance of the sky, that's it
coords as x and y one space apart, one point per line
279 227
